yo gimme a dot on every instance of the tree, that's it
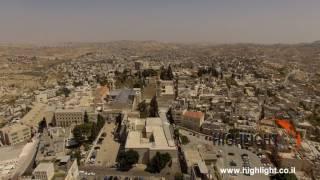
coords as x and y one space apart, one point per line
143 109
149 72
158 162
127 159
77 83
262 115
274 157
86 117
65 91
151 139
100 122
119 119
284 177
42 124
78 135
139 83
163 73
94 132
154 110
201 71
170 73
76 154
176 133
184 139
166 74
170 116
82 132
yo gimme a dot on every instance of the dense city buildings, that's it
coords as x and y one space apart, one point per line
164 113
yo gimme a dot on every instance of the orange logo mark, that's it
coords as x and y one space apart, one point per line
289 127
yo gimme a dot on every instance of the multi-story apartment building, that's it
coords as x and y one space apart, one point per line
192 120
66 117
14 134
44 171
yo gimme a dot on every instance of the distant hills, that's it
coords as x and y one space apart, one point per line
316 42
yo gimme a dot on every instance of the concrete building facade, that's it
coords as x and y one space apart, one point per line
44 171
67 117
149 136
14 134
192 120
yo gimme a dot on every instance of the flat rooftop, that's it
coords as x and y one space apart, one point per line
161 133
35 115
44 167
76 110
234 154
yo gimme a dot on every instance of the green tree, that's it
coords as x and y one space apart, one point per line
149 72
170 73
262 115
176 133
170 116
184 139
166 74
94 132
76 154
163 73
42 124
284 177
65 91
154 110
86 117
143 109
127 159
151 139
100 122
139 83
82 132
77 83
158 162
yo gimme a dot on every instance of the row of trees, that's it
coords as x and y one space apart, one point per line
128 158
149 111
64 90
85 132
209 71
158 162
166 74
102 80
88 131
149 73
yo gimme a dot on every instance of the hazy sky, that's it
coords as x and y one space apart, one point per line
217 21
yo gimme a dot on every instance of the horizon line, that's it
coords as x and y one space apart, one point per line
3 43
